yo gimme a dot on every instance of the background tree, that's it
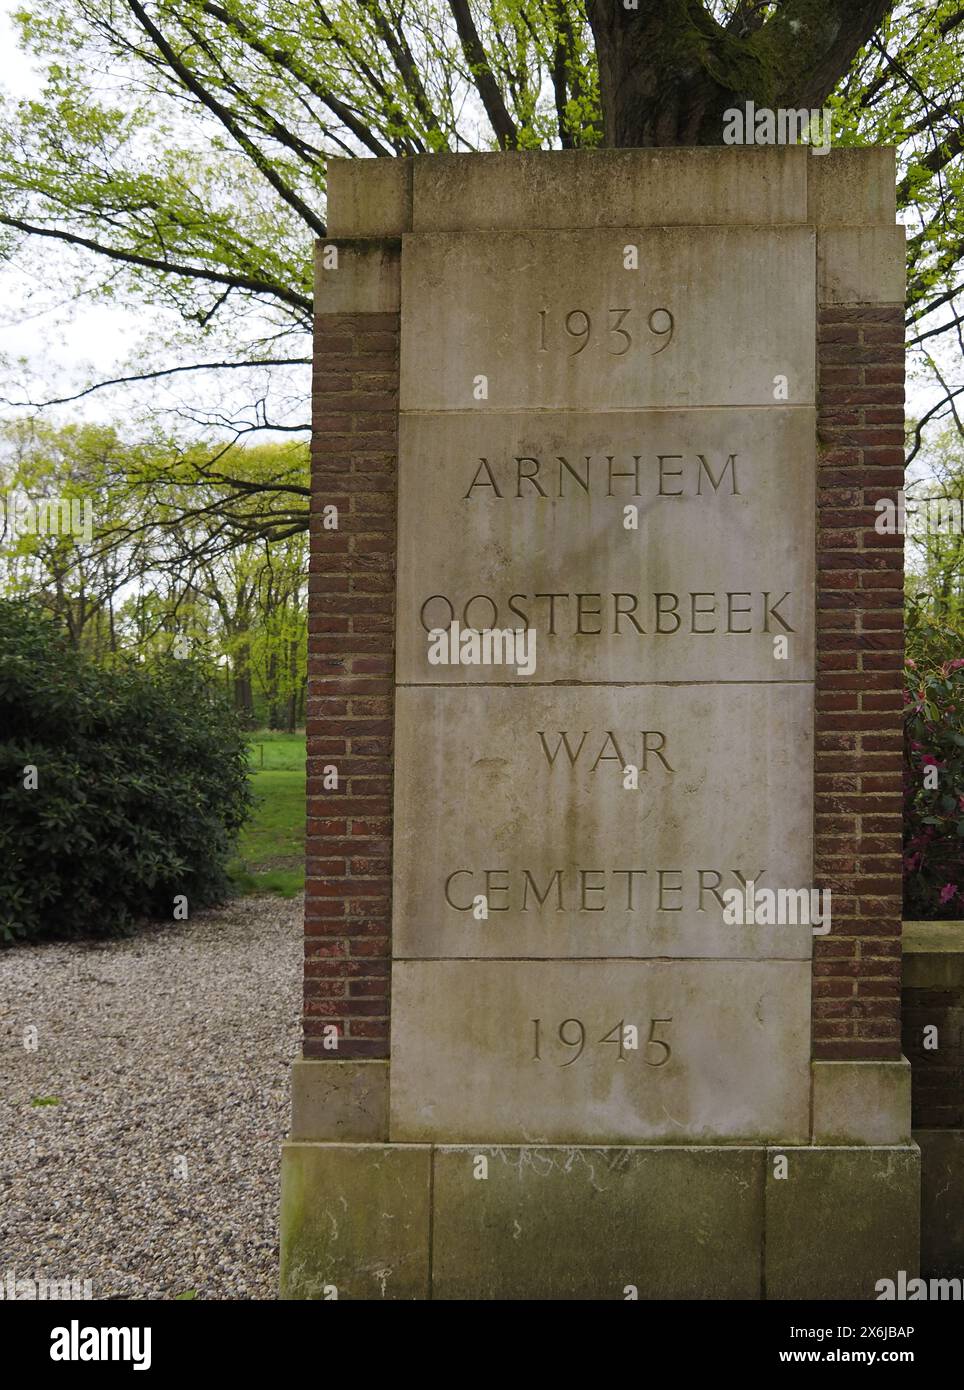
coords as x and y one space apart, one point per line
73 577
178 569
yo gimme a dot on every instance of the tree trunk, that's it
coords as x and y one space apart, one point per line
292 721
271 690
243 694
668 71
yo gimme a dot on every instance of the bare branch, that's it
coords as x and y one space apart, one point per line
242 282
161 372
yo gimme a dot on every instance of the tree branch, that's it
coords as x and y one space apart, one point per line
163 371
815 44
937 159
288 62
242 282
485 84
404 60
188 80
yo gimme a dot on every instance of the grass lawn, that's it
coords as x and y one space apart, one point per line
271 850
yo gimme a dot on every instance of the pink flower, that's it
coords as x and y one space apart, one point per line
947 892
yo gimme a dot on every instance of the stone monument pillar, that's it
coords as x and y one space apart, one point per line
609 669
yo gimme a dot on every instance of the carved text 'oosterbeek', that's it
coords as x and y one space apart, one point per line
733 612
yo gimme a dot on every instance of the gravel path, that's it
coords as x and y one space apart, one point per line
156 1173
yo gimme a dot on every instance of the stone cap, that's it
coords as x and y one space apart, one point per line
360 275
933 955
726 185
933 936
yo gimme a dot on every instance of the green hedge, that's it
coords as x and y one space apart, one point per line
141 787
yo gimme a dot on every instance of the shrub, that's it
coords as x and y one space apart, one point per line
933 769
141 786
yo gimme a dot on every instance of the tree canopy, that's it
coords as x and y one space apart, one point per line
176 157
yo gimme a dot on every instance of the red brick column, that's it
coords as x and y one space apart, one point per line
860 635
350 684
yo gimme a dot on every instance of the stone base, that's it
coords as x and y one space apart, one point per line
419 1221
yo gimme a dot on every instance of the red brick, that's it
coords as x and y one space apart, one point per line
351 693
857 790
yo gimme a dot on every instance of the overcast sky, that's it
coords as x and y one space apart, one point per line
75 338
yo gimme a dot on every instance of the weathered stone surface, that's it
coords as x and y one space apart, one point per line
852 187
508 297
364 278
369 197
723 1051
339 1100
598 1223
861 1102
724 505
717 186
841 1219
534 1221
572 863
862 265
942 1202
355 1221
